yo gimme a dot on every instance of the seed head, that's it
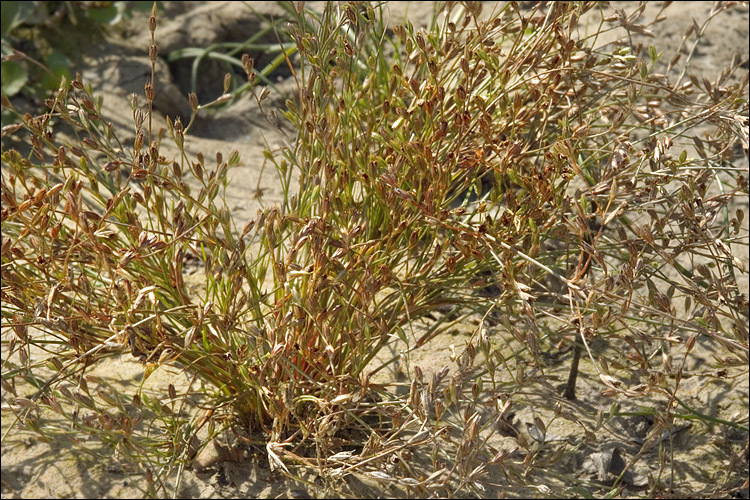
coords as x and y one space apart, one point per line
149 91
152 19
227 82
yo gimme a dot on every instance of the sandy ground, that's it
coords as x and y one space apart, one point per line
32 468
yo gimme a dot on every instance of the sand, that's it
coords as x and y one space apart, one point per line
119 65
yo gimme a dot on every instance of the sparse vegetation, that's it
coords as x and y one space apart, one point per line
41 40
498 168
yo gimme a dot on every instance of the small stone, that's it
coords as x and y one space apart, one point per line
214 453
208 457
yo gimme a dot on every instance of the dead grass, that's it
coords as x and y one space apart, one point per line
494 168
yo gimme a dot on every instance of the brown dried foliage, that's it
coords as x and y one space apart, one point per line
500 166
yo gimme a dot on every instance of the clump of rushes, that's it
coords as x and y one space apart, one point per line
501 166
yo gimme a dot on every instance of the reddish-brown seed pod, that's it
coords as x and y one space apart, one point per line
149 91
152 18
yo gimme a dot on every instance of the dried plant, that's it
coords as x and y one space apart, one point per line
502 169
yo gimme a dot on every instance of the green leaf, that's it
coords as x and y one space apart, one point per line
59 64
6 117
111 15
8 11
14 77
13 15
146 6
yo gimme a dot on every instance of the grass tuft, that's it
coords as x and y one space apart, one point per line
500 170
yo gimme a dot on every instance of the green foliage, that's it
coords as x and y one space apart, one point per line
34 48
502 167
14 77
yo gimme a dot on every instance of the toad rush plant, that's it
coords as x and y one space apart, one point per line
500 169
